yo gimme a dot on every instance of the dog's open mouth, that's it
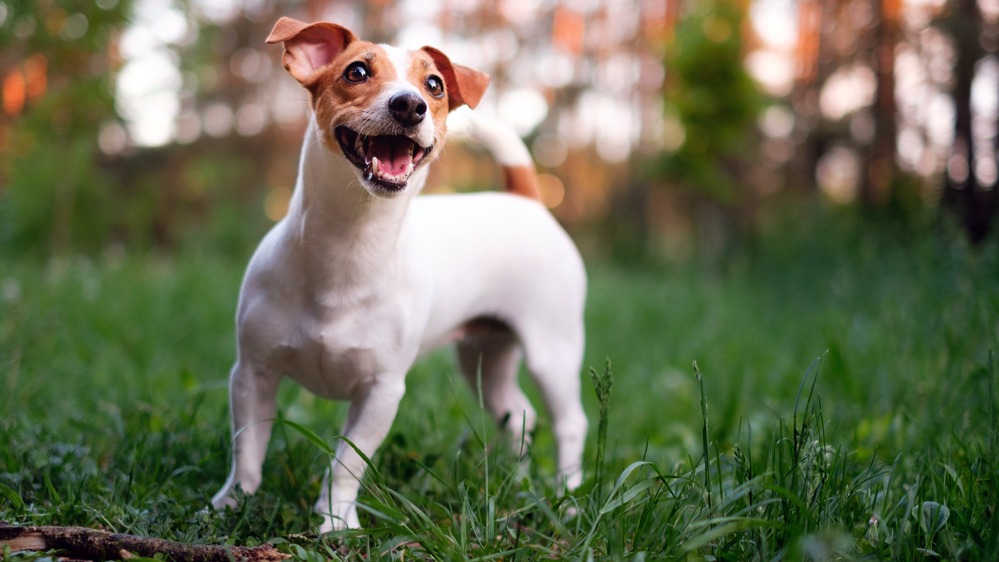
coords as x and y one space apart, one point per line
386 160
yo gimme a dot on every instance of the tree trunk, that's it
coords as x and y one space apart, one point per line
963 195
879 169
805 96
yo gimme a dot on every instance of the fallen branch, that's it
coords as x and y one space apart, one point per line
82 543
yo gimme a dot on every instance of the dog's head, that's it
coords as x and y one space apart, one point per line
382 108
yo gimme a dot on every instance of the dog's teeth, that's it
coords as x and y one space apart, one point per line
374 165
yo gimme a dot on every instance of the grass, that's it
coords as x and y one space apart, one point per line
842 406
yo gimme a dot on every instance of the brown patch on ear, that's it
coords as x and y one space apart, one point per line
285 29
465 86
309 46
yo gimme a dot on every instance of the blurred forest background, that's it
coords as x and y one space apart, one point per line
662 128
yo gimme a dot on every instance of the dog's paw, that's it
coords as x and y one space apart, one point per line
327 526
570 512
223 499
345 519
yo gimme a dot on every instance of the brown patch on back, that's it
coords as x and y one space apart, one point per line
522 180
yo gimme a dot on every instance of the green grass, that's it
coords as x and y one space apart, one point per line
844 376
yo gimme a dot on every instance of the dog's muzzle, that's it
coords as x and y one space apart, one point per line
385 160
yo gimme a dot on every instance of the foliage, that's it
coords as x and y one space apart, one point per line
113 413
60 194
712 98
56 195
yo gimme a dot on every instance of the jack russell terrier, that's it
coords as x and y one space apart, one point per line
362 277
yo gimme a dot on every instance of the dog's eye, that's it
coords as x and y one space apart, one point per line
435 86
356 72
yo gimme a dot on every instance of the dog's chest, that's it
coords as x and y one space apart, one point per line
336 353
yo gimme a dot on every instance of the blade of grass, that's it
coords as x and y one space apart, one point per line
704 433
602 384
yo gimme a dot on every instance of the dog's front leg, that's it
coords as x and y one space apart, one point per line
252 394
368 422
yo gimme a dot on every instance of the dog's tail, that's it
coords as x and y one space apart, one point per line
510 152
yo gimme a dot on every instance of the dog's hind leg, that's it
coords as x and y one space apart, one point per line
493 356
252 402
554 358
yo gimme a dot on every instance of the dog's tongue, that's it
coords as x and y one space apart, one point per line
394 153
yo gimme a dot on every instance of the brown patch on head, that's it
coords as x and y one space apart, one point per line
465 86
320 54
352 100
336 100
317 56
368 100
429 80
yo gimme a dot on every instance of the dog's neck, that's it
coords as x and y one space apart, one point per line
342 230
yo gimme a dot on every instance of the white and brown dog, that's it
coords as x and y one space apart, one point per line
361 277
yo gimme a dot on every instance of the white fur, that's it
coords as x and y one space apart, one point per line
348 290
501 140
401 61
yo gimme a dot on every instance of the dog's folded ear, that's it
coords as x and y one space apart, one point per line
309 46
464 85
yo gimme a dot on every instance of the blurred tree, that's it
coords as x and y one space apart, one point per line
880 169
838 39
710 96
713 98
235 119
56 60
810 74
63 190
975 204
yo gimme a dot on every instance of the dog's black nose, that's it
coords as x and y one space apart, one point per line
408 108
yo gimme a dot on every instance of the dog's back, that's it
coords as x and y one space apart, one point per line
522 261
508 239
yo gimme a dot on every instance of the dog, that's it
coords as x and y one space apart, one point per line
361 277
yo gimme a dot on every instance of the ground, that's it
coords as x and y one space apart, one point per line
848 391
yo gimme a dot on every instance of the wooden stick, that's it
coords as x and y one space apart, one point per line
90 544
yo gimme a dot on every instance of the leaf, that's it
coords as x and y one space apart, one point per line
310 435
934 517
12 496
724 526
629 495
623 477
